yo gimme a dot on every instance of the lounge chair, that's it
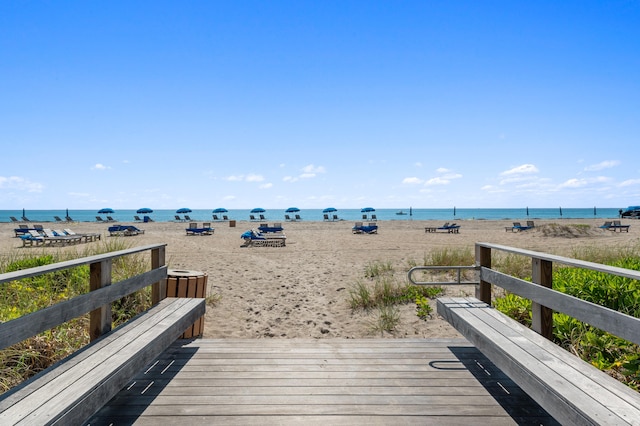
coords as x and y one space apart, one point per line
13 219
359 228
137 218
186 217
364 217
215 217
124 230
99 219
374 217
252 218
224 217
335 217
276 228
68 219
25 219
606 225
146 219
32 238
194 229
298 217
287 218
88 237
326 217
254 238
530 224
110 219
178 218
618 226
58 219
518 227
262 217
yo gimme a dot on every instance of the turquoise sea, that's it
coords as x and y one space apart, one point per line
278 215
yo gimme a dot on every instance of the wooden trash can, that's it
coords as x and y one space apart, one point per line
232 224
191 284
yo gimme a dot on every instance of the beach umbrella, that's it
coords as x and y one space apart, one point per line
594 211
258 210
329 210
454 211
292 210
411 211
528 211
367 210
184 210
220 210
560 211
144 210
106 211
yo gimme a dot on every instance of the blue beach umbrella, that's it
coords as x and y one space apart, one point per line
144 210
367 210
292 210
106 211
183 210
329 210
220 210
258 210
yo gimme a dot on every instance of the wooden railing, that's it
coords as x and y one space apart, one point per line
545 300
97 302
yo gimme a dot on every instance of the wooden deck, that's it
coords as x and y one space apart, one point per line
328 382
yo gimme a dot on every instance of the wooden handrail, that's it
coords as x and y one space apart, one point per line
102 292
545 300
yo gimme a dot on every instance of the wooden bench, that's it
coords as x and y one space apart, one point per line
571 390
72 390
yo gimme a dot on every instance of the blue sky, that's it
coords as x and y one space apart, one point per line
391 104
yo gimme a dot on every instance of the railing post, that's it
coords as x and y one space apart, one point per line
99 319
483 259
159 289
541 316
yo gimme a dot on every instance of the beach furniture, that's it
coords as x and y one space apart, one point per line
252 217
136 218
298 217
255 238
110 219
606 225
288 218
99 219
618 226
374 217
194 229
359 228
187 217
32 238
335 217
25 219
124 230
88 237
447 227
517 227
265 228
13 219
225 217
146 219
216 218
68 219
262 217
58 218
326 217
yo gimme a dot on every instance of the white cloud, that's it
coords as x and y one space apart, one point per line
437 181
630 182
266 186
16 182
602 165
520 170
412 180
100 166
311 169
245 178
574 183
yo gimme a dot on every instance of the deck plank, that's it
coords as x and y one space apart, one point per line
364 381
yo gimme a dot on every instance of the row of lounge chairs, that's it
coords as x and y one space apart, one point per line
205 229
292 219
332 219
55 237
450 228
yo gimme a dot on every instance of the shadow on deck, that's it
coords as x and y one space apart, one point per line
328 382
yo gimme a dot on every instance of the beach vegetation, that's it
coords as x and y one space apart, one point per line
616 356
381 290
21 297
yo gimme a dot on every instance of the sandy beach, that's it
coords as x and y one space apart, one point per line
302 290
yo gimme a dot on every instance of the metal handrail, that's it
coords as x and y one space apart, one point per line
442 268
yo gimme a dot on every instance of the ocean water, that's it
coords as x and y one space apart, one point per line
278 215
